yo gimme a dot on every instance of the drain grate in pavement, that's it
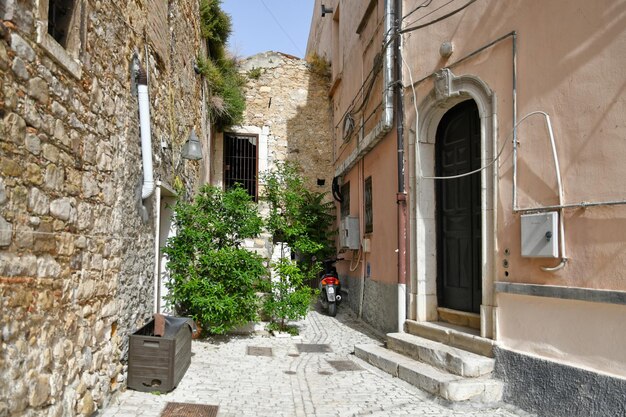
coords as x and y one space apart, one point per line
189 410
290 372
324 372
313 348
259 351
342 366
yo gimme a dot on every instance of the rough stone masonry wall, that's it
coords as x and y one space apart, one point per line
292 101
289 103
76 241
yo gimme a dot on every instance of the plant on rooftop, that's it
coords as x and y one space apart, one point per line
319 65
212 278
255 73
226 102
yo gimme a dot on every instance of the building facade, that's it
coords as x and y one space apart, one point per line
85 167
487 186
287 119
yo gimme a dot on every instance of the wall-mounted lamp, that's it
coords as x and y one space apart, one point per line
192 149
326 10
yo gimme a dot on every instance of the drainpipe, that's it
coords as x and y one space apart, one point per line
146 140
403 296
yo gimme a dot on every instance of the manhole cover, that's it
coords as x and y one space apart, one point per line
313 348
259 351
342 366
189 410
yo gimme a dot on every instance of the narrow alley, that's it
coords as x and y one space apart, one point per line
294 383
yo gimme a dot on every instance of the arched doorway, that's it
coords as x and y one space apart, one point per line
449 91
458 209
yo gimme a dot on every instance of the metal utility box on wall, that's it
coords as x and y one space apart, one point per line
349 233
540 235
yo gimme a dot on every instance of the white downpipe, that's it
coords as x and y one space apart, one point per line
146 138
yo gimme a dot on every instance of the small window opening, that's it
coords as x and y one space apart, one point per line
60 19
345 200
240 162
369 214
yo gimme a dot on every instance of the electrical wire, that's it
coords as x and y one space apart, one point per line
281 27
358 259
431 12
482 168
439 19
421 6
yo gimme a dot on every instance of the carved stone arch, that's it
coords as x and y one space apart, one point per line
448 91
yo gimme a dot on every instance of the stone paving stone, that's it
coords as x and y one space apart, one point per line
289 385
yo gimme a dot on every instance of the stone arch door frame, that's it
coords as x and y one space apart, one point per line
448 91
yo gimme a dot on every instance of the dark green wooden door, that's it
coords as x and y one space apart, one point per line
458 209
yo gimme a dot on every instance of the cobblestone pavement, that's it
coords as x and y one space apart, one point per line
296 384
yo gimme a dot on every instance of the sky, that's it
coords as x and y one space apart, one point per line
269 25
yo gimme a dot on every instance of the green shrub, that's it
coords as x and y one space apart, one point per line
299 217
212 279
255 73
288 299
226 99
215 25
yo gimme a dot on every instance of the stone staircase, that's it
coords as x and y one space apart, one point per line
439 359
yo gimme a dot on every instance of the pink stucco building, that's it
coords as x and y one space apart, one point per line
480 144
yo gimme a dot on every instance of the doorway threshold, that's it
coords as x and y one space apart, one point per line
452 335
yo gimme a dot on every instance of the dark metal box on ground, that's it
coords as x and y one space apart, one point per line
159 363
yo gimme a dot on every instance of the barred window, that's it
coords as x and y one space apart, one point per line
241 162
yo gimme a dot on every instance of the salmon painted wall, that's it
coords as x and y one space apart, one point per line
352 65
571 57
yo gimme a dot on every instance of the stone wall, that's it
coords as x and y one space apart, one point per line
291 100
287 106
76 239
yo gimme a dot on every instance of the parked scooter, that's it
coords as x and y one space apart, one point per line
330 287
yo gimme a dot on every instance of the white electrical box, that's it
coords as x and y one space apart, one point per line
349 233
540 235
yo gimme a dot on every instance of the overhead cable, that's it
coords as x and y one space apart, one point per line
452 13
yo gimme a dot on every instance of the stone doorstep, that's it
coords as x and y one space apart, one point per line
451 337
430 379
447 358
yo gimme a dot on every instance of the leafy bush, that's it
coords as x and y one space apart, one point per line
288 299
299 217
212 279
215 25
226 102
255 73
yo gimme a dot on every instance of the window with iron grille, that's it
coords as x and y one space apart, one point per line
345 200
240 162
369 213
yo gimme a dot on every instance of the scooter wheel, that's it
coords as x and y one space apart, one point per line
332 309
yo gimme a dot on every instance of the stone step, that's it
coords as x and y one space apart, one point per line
451 336
428 378
447 358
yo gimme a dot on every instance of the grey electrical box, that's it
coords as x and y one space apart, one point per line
540 237
349 237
